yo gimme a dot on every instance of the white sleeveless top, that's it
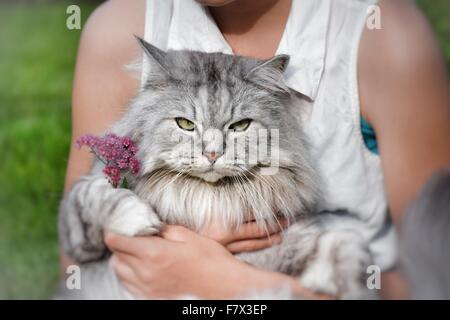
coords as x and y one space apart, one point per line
322 37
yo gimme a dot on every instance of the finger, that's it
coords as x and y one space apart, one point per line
253 245
178 234
134 290
128 259
253 230
126 275
123 270
279 219
133 245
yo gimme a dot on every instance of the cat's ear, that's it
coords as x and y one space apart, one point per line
157 56
269 73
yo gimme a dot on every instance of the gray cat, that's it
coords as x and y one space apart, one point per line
194 113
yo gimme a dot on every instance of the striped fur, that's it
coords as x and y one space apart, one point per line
214 91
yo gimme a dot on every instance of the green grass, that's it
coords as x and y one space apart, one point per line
37 55
438 12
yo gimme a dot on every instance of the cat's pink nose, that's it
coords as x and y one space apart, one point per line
212 156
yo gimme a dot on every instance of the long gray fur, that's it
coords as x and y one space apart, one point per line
324 251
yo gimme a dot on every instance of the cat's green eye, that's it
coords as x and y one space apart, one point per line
241 125
185 124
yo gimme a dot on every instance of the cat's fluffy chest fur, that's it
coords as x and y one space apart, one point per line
194 203
186 94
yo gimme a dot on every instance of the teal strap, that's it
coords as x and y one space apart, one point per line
369 136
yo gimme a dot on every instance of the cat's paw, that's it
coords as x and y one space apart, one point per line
134 218
319 278
338 266
322 277
352 258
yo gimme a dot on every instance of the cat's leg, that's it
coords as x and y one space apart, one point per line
93 205
338 265
291 256
326 261
286 257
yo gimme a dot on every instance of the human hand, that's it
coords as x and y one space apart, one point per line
248 237
182 262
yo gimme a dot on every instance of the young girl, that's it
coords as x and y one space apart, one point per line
359 81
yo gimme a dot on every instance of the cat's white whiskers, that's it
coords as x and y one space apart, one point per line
275 189
256 199
177 175
275 192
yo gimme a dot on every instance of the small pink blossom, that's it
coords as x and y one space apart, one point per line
135 166
117 153
113 173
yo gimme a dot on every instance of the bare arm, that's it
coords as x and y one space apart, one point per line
102 87
405 95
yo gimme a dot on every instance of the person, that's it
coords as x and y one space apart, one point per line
388 85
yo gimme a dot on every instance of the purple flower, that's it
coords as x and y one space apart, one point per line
113 174
117 153
135 166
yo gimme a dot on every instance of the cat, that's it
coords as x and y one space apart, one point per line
192 114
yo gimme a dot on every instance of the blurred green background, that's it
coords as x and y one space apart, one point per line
37 56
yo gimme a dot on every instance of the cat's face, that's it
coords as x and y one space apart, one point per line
218 141
212 115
